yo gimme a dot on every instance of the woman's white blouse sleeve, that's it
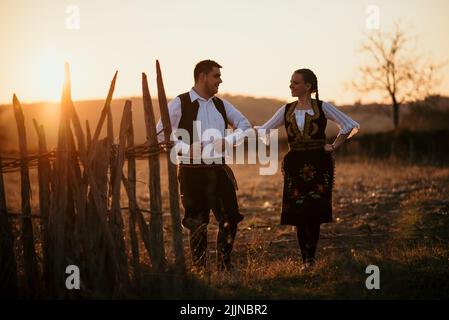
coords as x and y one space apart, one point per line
344 122
275 122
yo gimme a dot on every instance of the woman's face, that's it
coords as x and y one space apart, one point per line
298 87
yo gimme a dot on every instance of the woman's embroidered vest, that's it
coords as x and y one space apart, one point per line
313 135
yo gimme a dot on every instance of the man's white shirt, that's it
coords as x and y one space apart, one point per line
208 117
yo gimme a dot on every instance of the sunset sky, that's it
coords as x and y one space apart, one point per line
258 43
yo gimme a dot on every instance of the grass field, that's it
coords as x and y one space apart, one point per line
393 216
390 215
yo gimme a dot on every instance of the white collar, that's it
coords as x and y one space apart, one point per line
194 96
309 111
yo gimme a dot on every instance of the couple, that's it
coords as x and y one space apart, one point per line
308 167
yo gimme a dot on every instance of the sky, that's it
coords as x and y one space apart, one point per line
259 43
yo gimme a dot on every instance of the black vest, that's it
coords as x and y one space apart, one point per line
189 111
314 127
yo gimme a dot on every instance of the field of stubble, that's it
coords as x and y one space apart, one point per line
390 215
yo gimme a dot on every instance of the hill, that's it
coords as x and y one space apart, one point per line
373 118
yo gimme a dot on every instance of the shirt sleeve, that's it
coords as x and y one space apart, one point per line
277 120
343 121
175 113
238 121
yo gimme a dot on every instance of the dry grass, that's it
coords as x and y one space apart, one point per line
385 214
394 216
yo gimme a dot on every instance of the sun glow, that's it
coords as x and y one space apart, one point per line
49 69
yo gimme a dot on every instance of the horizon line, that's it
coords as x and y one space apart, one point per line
49 101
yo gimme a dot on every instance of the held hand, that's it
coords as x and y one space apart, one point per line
329 148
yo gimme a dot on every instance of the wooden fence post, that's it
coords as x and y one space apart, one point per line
172 176
88 135
132 201
116 219
93 168
44 196
8 266
59 200
156 223
30 261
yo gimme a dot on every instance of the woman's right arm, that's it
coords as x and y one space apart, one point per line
275 122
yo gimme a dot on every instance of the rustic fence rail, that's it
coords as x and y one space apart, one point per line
81 221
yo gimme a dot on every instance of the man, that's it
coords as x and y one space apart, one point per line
207 186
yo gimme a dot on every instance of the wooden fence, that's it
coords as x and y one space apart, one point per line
80 220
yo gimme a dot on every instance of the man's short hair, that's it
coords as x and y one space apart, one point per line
204 66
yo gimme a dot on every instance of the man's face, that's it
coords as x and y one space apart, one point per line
212 80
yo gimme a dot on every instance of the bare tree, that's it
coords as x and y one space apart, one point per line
395 68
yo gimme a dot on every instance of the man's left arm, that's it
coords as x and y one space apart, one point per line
238 121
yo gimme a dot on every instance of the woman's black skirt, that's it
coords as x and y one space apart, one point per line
308 183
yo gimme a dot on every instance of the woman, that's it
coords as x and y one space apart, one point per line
308 167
